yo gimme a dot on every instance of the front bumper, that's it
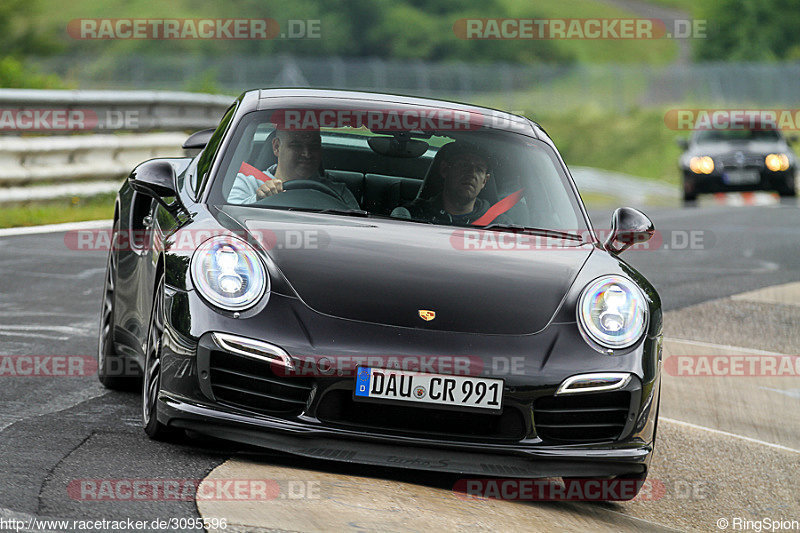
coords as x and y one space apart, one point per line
717 182
314 422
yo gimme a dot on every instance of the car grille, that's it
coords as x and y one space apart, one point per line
338 408
251 384
581 417
749 161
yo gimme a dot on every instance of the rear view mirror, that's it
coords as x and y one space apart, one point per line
628 227
398 146
682 142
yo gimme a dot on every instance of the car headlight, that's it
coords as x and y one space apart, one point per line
228 272
612 311
776 162
701 165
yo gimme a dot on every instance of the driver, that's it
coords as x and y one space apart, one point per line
299 154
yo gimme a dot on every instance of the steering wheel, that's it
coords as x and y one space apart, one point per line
309 184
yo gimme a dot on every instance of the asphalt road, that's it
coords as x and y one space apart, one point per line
55 431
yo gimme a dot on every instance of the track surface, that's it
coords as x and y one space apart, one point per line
54 430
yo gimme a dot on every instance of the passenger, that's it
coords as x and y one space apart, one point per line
299 155
464 172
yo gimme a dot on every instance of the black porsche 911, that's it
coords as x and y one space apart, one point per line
383 280
737 160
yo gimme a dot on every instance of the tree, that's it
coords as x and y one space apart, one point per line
743 30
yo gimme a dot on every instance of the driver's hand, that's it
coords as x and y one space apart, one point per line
268 188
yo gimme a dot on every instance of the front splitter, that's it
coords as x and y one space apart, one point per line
522 462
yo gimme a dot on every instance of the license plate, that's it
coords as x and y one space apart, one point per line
429 390
742 177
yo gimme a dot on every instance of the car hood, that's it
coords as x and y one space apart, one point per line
386 271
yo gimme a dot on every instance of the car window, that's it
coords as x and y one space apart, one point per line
210 150
457 176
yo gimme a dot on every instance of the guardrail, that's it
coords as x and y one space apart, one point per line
92 160
113 110
28 160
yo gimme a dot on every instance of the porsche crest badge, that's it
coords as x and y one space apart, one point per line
426 315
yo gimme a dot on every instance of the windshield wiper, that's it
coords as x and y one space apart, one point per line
535 231
348 212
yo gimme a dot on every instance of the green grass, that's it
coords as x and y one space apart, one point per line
596 199
74 209
610 87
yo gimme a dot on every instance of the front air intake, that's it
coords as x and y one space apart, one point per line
580 418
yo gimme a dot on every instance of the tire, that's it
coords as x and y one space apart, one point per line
151 381
787 193
113 370
689 197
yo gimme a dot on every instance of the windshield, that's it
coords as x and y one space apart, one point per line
736 135
420 165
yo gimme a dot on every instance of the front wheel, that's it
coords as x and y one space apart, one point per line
689 191
151 383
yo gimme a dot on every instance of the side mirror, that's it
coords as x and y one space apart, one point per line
791 139
154 178
683 143
628 227
198 140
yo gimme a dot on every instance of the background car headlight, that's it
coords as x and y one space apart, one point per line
612 311
228 272
701 165
776 162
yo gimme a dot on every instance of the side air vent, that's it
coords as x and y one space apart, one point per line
581 418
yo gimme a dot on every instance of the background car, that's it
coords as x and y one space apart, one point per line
243 336
737 160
